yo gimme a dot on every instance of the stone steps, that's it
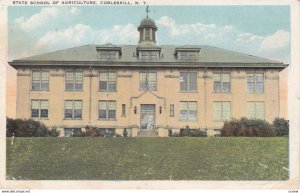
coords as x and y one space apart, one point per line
147 133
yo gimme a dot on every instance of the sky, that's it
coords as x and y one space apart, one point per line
258 30
262 31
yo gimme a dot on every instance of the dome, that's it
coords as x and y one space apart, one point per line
147 22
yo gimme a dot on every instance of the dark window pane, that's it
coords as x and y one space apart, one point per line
226 86
35 86
111 86
102 114
192 81
103 85
77 113
44 113
69 86
111 114
34 113
68 113
78 86
217 86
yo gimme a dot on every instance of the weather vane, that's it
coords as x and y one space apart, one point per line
147 10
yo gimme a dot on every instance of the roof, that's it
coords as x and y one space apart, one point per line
147 22
208 56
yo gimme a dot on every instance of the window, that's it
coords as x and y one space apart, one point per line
39 108
106 132
255 82
188 55
188 111
107 109
40 80
147 34
73 109
148 81
68 132
123 110
74 81
188 81
222 111
171 110
107 81
148 54
256 110
108 55
221 82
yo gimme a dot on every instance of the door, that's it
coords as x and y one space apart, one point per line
147 116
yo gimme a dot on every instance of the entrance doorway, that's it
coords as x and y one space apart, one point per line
147 116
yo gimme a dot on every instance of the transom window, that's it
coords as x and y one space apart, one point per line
108 54
107 81
73 109
148 81
222 111
148 54
40 80
39 108
256 110
188 111
255 82
221 82
188 81
74 81
187 55
107 109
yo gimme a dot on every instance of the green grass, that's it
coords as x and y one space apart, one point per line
147 158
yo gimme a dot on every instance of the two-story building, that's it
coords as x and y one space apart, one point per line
145 87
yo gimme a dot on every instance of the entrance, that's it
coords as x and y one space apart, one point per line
147 116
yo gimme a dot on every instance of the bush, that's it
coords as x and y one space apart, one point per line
192 133
28 128
90 132
247 128
281 127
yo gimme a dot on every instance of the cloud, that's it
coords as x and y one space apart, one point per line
209 36
42 18
182 29
280 39
81 34
248 38
119 34
74 35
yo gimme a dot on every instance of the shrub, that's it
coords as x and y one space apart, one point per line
247 128
281 127
192 133
90 132
28 128
125 133
170 133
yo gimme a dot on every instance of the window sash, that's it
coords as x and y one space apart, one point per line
148 81
188 81
188 110
171 110
222 111
73 109
107 81
39 108
222 82
40 80
73 81
255 83
256 110
107 109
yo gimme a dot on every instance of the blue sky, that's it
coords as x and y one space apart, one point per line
258 30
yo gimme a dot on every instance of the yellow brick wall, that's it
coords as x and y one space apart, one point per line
128 93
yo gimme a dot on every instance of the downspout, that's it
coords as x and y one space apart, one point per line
90 94
205 102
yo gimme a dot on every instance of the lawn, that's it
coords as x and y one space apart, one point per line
147 158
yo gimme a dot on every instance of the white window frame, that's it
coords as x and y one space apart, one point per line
188 111
222 111
256 110
73 109
40 108
75 81
40 81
